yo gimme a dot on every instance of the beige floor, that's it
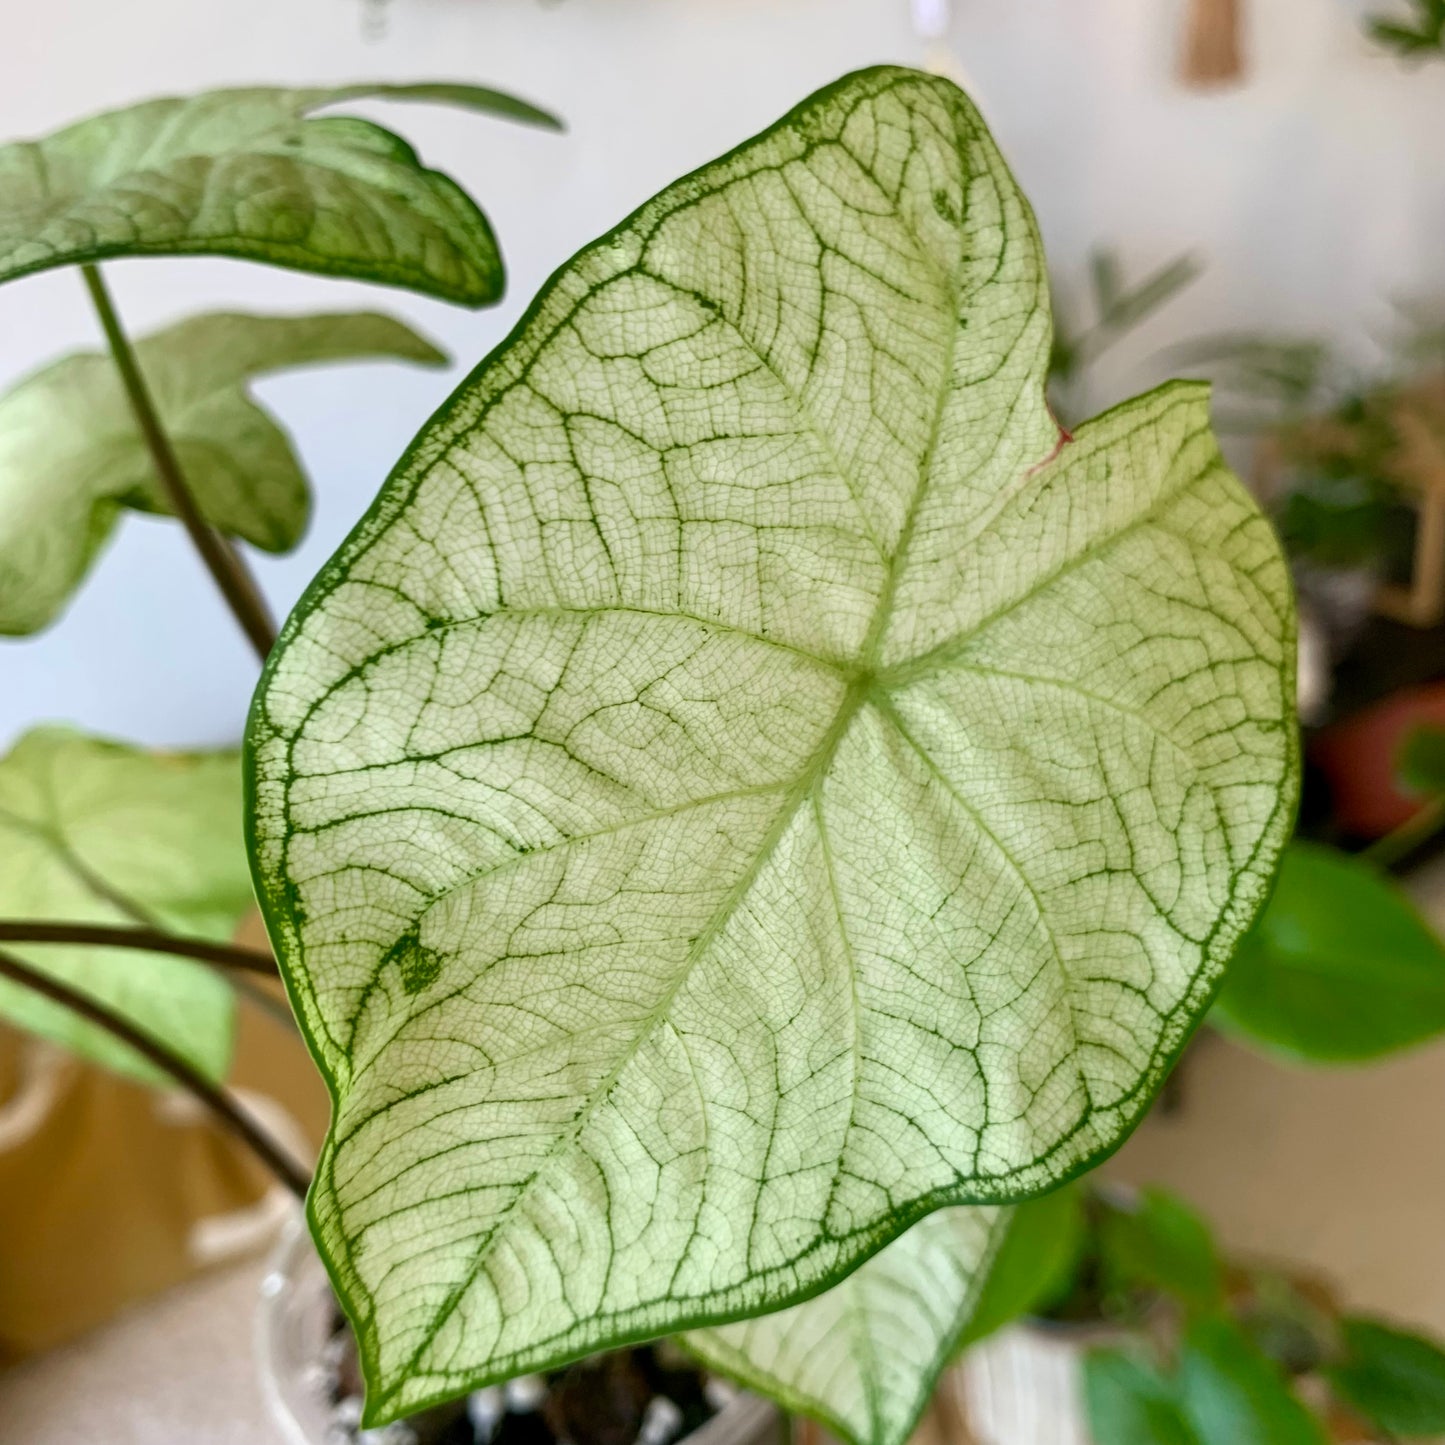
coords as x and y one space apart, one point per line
178 1371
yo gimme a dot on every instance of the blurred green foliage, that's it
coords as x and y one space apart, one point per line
1421 36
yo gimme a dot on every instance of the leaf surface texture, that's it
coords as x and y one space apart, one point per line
750 781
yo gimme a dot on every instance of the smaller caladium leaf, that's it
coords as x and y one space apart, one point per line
250 173
71 455
97 832
863 1357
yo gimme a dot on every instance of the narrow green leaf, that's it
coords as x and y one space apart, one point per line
1232 1395
246 173
1162 1244
823 792
1431 37
1339 968
479 98
1129 1403
1131 308
1108 279
863 1357
71 455
1420 762
98 832
1034 1264
1395 1379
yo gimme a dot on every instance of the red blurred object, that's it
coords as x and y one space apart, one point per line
1358 759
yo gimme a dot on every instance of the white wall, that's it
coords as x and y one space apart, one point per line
1315 193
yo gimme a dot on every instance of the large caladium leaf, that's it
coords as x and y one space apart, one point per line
864 1356
71 454
750 780
250 173
97 832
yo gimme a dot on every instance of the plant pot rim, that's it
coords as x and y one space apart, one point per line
744 1419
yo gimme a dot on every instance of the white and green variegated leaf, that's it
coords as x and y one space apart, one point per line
253 174
863 1357
750 780
97 832
71 455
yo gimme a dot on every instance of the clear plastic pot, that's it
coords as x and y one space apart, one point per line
294 1327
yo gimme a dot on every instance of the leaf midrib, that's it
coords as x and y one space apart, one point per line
797 794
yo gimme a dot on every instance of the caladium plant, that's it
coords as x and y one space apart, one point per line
754 798
98 832
752 779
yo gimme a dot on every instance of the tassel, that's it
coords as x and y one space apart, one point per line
1213 54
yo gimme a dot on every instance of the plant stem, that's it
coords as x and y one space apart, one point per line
237 585
280 1163
225 956
1414 833
151 940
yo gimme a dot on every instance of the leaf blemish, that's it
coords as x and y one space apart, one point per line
417 964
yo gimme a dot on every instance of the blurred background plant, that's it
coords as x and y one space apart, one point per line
1177 1344
1168 1342
1420 36
1085 329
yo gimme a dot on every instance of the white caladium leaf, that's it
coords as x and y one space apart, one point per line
97 832
863 1357
253 174
750 781
72 456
